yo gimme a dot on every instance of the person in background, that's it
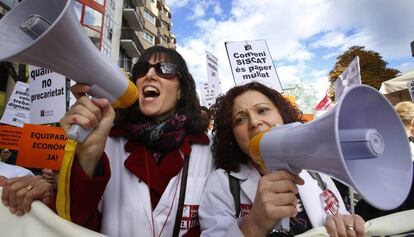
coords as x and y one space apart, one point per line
50 176
241 198
8 156
405 110
141 172
207 114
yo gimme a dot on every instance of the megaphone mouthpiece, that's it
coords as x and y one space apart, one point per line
361 143
34 26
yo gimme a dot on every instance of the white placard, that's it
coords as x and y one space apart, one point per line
207 95
18 107
251 61
350 77
47 95
212 73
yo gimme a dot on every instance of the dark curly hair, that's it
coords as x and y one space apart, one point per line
188 103
226 152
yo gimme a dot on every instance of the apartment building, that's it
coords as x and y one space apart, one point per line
123 29
144 23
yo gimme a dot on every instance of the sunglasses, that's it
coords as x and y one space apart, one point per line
162 69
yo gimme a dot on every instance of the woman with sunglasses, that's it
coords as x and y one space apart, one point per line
142 170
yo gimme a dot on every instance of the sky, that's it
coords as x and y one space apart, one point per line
304 36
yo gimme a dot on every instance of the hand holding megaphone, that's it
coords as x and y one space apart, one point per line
361 142
94 115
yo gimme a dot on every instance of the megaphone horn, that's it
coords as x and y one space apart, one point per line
48 34
361 142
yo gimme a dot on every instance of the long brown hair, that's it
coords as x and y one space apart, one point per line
226 152
188 104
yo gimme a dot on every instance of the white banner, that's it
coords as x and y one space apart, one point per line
350 77
207 95
251 61
40 221
47 95
18 107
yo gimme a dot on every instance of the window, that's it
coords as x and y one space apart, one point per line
148 37
166 13
164 25
164 39
92 18
9 3
108 28
106 49
149 16
100 2
78 9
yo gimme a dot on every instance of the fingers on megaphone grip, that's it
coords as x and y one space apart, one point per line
84 113
78 90
286 175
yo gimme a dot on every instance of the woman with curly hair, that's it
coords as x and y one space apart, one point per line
242 200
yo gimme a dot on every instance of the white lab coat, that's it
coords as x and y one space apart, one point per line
126 204
12 171
217 208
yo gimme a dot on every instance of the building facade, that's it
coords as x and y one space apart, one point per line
123 29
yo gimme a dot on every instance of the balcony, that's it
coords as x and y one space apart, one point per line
130 42
165 16
159 4
132 16
138 3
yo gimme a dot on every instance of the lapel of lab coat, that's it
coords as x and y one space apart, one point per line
249 179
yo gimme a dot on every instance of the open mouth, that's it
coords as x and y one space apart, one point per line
150 91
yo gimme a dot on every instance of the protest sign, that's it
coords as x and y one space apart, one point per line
18 107
251 61
9 137
208 95
350 77
47 95
212 73
41 146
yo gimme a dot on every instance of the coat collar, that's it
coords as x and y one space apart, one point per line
249 178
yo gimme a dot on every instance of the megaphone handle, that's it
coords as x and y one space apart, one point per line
78 133
282 226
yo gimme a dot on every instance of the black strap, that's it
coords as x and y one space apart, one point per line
318 178
183 188
235 192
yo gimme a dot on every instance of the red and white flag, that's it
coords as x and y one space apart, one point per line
325 104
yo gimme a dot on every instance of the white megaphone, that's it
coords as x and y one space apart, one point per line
47 34
361 142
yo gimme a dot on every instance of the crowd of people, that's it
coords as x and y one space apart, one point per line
161 167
